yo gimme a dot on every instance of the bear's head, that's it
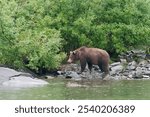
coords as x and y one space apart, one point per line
73 57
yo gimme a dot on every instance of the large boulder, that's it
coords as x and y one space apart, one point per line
116 68
13 78
24 81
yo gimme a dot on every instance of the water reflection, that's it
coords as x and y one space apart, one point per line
84 89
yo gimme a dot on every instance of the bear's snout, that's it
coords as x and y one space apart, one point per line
69 61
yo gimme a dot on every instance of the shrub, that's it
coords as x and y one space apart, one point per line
27 40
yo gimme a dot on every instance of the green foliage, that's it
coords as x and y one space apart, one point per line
26 38
121 25
114 25
36 33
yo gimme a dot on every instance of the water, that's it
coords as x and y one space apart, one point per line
63 89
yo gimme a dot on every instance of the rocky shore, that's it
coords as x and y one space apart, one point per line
133 64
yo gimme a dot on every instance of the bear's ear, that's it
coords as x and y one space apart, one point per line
71 52
74 52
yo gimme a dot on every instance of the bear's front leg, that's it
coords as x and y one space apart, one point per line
83 65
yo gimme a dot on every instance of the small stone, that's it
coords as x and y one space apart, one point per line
133 63
115 64
60 76
145 76
59 72
143 63
123 61
148 66
49 77
130 76
131 67
72 74
123 77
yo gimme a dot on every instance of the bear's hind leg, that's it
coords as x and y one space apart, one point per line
106 72
105 69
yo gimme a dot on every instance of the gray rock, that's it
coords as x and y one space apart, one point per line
125 73
148 66
138 72
13 78
6 73
147 72
115 64
118 77
71 74
137 51
24 81
60 72
146 76
132 65
123 61
132 74
116 69
143 63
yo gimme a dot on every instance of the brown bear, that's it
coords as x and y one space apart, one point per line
91 56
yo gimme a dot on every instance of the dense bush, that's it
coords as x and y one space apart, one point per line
27 39
114 25
36 33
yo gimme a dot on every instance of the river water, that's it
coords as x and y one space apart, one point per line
63 89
